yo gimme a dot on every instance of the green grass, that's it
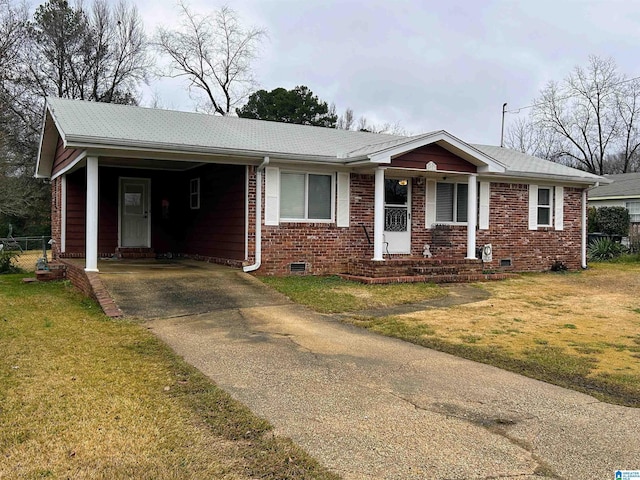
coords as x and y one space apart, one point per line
332 294
82 395
555 328
544 362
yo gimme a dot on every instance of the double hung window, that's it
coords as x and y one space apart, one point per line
634 211
194 193
451 202
305 196
545 202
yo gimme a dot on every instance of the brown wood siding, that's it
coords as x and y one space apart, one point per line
445 160
64 157
76 212
217 228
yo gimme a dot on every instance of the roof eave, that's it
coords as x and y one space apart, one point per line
534 177
121 147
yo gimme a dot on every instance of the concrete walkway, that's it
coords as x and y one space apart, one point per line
368 406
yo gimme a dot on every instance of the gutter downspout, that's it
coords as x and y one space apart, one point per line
258 249
583 246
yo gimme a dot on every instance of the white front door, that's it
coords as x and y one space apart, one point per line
135 218
397 215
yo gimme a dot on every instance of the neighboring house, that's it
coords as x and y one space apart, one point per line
281 198
623 191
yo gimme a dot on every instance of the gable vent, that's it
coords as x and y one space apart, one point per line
298 267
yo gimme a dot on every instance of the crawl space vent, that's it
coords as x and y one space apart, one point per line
299 267
505 262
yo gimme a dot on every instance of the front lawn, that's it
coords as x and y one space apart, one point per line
580 330
85 396
332 294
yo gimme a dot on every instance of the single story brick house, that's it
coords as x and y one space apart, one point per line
278 198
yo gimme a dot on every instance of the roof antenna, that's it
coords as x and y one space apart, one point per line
504 110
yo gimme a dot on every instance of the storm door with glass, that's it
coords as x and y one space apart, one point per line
397 216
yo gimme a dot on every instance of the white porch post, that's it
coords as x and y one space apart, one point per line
91 242
472 215
378 212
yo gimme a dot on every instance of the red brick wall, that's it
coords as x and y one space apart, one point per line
531 250
325 248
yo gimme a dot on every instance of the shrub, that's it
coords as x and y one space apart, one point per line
7 259
592 220
604 249
613 221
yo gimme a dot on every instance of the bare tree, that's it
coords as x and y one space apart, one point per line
589 120
215 53
347 121
97 55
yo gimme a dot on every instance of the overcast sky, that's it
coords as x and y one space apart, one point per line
429 65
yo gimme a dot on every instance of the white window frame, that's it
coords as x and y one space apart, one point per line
455 204
549 207
194 193
306 218
635 212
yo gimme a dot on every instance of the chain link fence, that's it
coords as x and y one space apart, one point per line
26 252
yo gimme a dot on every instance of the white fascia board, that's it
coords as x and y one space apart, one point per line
521 177
48 144
615 197
72 165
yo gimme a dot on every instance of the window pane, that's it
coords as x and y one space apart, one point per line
292 195
461 196
320 197
544 216
544 196
394 192
444 202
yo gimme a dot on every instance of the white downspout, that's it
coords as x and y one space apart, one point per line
583 246
258 259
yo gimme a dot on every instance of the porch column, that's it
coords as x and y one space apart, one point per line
472 215
91 223
378 212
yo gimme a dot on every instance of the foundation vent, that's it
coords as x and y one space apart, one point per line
505 262
298 267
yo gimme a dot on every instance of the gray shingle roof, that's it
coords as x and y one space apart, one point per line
109 125
623 185
112 124
521 163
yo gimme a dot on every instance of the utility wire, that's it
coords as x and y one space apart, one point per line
518 110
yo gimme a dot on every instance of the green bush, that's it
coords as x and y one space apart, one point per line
7 259
604 249
592 220
612 221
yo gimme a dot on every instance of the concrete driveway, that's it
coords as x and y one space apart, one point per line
368 406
